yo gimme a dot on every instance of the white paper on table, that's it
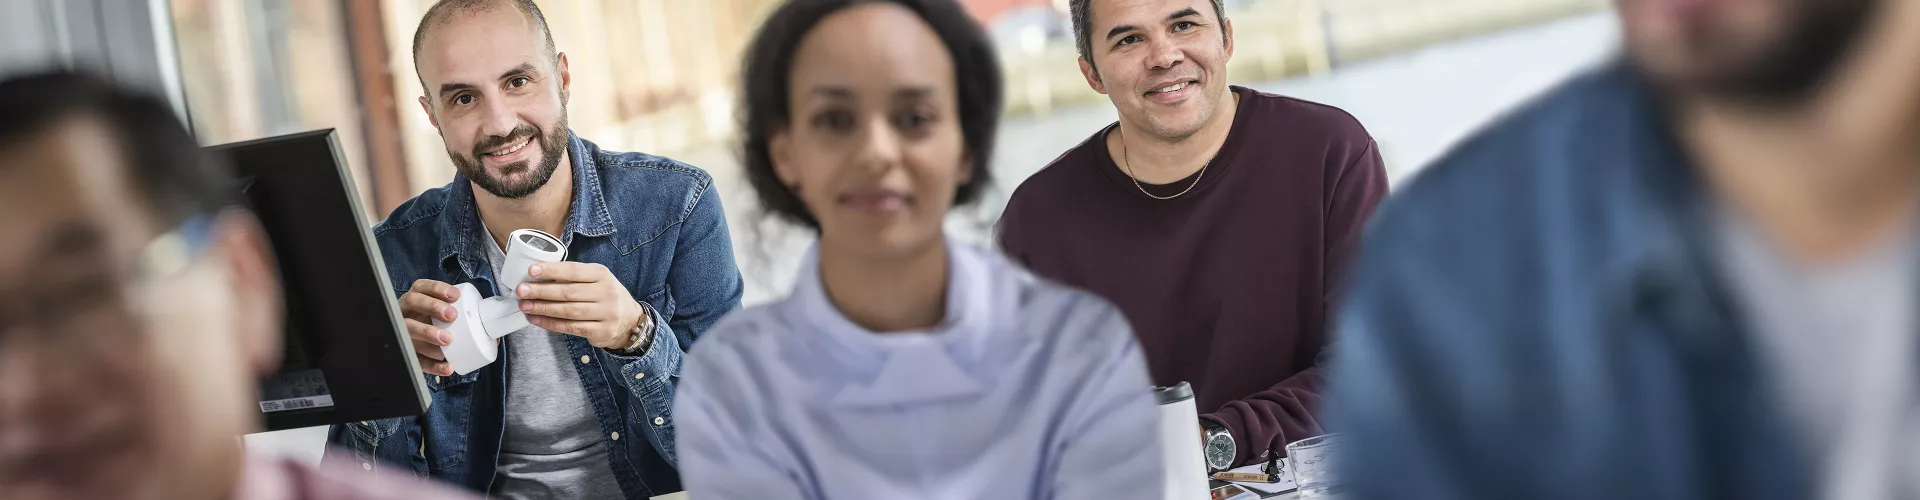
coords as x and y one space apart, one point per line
1285 484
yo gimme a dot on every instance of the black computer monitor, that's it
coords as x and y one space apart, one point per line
348 357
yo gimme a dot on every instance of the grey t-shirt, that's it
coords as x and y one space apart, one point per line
1839 339
554 447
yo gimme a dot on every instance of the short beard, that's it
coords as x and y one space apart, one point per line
1804 59
553 144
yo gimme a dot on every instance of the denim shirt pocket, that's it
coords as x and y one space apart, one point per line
448 422
365 439
367 435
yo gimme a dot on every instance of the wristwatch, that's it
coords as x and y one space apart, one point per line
1220 450
640 337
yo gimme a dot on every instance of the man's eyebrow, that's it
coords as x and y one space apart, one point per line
526 69
833 92
1124 28
912 93
448 88
522 69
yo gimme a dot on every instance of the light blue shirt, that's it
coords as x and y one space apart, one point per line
1027 390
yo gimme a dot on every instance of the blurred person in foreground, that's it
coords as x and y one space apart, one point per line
579 404
1218 217
903 364
137 310
1692 273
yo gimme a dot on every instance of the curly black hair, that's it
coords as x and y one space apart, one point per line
768 71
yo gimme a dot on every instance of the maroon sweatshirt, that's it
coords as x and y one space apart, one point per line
1229 287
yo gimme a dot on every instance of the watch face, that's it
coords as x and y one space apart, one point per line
1220 451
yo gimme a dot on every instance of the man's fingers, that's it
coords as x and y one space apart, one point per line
432 367
423 332
570 272
426 301
559 292
436 290
560 310
567 326
426 305
429 351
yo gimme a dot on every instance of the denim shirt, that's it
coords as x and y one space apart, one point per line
657 225
1534 317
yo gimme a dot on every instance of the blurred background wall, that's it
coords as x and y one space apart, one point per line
660 75
130 40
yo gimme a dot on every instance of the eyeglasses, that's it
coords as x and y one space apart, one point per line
78 313
172 251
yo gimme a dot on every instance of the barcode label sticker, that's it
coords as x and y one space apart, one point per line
300 390
296 404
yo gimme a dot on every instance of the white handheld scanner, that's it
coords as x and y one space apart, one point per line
479 323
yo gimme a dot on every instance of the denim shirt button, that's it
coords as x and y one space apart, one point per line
584 359
641 375
659 421
616 436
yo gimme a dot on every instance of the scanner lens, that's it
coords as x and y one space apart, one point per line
539 243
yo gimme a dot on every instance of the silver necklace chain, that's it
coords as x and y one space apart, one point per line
1124 163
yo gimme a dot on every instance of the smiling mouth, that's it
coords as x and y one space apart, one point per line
876 202
508 151
1173 88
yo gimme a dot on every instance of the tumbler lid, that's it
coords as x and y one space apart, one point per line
1177 393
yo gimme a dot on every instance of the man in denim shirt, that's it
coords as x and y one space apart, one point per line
579 404
1687 275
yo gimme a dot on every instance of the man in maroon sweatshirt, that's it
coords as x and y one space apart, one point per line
1218 218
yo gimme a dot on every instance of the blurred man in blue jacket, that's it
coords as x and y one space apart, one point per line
1689 274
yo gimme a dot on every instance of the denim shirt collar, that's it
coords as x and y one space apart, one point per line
1665 272
462 235
1670 281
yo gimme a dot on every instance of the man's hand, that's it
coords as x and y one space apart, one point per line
426 301
580 299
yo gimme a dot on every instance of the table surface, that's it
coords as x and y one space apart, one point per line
1291 495
305 445
683 496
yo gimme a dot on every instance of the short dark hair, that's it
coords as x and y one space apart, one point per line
768 72
444 10
168 170
1082 13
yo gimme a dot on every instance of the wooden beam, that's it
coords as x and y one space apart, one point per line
373 85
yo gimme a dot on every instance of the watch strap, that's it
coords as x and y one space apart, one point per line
640 338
